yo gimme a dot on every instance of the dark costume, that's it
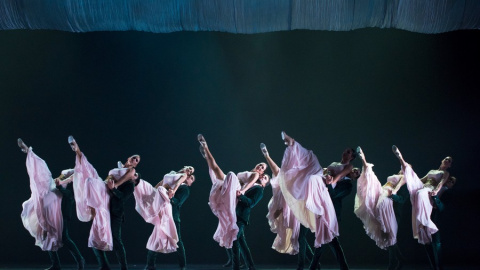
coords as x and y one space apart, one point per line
342 189
395 257
245 203
118 197
67 205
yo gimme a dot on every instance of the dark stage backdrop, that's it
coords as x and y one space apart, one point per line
121 93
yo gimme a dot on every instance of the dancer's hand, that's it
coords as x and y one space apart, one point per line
170 193
110 184
239 193
328 179
57 181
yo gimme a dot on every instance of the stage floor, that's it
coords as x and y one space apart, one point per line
219 267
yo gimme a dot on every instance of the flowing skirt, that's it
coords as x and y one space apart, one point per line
422 225
300 180
375 209
42 213
155 208
285 225
92 202
223 201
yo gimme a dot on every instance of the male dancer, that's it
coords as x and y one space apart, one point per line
395 257
434 249
339 185
245 204
119 192
177 200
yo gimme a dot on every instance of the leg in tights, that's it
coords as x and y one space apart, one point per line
338 251
68 242
54 259
118 247
182 261
302 247
151 259
101 259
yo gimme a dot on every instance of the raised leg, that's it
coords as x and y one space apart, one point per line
274 167
212 164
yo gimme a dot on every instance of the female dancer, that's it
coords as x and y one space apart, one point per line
47 213
301 181
282 221
420 192
233 217
374 208
94 201
173 180
155 205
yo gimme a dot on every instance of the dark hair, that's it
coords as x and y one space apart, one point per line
137 180
354 154
259 182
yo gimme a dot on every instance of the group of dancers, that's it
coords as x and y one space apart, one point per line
306 197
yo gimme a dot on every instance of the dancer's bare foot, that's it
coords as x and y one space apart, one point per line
202 151
73 143
263 147
22 145
202 140
287 139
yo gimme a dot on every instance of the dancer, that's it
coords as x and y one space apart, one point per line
104 203
339 184
420 192
47 213
434 249
301 181
247 188
282 221
374 208
179 189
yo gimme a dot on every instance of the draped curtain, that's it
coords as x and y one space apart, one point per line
239 16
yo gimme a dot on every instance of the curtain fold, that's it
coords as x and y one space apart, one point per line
239 16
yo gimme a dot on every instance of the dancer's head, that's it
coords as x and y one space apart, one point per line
136 178
132 161
348 155
190 179
450 182
354 174
189 170
264 180
260 168
446 163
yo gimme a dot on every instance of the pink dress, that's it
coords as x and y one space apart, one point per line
375 209
155 208
91 193
223 201
286 226
422 226
42 215
301 181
